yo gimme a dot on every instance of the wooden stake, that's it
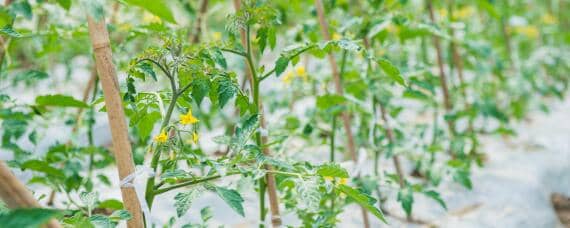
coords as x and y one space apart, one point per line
15 194
339 90
113 102
199 21
442 78
269 177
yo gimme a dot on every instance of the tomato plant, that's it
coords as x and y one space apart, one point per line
311 106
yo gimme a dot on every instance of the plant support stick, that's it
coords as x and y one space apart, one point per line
442 77
15 194
339 90
113 102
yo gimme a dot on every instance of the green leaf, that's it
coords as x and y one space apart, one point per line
226 91
66 4
262 39
200 88
392 71
111 204
406 198
280 65
206 214
43 167
435 196
219 58
101 221
363 200
327 101
232 198
27 217
22 8
416 94
184 201
146 124
5 18
119 215
60 101
244 132
332 170
156 7
146 69
10 32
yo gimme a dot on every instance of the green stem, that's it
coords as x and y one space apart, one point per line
91 116
333 130
193 182
149 192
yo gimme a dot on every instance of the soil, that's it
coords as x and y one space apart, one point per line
561 204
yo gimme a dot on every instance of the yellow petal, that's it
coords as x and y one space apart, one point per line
161 138
336 36
195 137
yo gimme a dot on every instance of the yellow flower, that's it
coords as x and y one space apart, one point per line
549 19
343 181
442 12
195 137
150 18
329 178
464 12
217 36
288 77
125 26
336 36
161 138
529 31
301 71
188 118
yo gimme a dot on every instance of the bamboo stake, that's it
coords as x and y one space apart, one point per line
113 102
15 194
201 17
339 90
442 78
269 177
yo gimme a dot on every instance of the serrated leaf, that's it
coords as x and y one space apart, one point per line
60 101
101 221
156 7
332 170
392 71
244 132
184 201
10 32
200 88
232 198
219 58
226 91
119 215
363 200
280 65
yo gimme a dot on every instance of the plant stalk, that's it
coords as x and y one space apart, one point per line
339 90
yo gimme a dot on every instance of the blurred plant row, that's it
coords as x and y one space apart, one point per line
360 102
